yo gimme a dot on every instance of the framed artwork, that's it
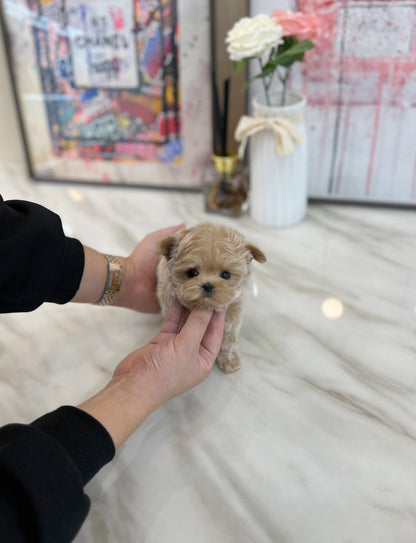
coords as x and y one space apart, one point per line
112 91
360 84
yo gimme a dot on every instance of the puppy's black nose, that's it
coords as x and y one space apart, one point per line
207 288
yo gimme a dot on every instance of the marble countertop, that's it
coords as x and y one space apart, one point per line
312 441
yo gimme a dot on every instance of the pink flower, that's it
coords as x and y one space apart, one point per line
302 25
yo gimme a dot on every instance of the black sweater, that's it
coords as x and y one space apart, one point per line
44 465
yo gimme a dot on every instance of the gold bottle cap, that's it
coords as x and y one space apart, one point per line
225 164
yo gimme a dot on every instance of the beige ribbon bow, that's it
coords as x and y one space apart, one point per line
284 128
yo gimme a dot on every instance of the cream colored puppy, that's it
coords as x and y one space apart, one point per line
207 267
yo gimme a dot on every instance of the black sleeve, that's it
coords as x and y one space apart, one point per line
38 263
43 469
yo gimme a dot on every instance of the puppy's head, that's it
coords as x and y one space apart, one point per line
208 265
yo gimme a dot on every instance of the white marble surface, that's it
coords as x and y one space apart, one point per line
312 441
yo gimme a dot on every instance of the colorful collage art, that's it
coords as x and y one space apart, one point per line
110 77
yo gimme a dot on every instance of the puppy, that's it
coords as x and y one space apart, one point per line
207 267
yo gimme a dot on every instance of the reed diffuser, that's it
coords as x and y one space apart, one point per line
225 188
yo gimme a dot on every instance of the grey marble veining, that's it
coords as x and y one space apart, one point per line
312 441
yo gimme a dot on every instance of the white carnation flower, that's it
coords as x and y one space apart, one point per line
252 36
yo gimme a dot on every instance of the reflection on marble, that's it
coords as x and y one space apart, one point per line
313 440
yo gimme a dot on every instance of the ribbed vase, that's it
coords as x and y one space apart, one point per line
278 184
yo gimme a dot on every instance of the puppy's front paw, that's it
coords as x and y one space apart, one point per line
229 362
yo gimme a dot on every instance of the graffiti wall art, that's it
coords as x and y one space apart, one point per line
113 91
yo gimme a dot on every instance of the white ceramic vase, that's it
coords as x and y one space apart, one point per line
278 184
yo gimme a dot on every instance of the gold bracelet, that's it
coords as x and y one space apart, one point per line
115 274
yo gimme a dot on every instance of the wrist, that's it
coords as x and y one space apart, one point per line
125 295
94 277
113 282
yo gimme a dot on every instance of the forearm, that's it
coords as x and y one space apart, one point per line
94 277
121 406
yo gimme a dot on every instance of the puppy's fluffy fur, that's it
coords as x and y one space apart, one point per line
207 267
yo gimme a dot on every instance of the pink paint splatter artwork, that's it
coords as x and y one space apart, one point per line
360 82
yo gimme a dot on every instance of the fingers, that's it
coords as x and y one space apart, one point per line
173 318
212 339
195 327
197 331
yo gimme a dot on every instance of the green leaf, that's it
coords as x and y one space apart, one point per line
288 42
288 52
305 45
239 65
292 53
288 60
300 47
268 69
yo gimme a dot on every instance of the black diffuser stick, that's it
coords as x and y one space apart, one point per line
224 123
216 115
224 127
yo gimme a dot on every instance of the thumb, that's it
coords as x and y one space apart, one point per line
173 318
211 342
195 327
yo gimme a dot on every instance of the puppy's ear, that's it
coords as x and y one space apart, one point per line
256 253
166 246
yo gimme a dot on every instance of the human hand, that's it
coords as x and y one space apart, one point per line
138 288
181 355
177 359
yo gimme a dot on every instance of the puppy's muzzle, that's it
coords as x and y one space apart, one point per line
207 289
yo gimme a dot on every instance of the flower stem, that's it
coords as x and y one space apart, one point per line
284 83
283 102
265 86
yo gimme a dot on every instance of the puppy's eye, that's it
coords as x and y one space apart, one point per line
192 272
225 274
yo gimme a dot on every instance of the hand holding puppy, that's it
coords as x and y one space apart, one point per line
180 357
138 284
138 288
204 270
